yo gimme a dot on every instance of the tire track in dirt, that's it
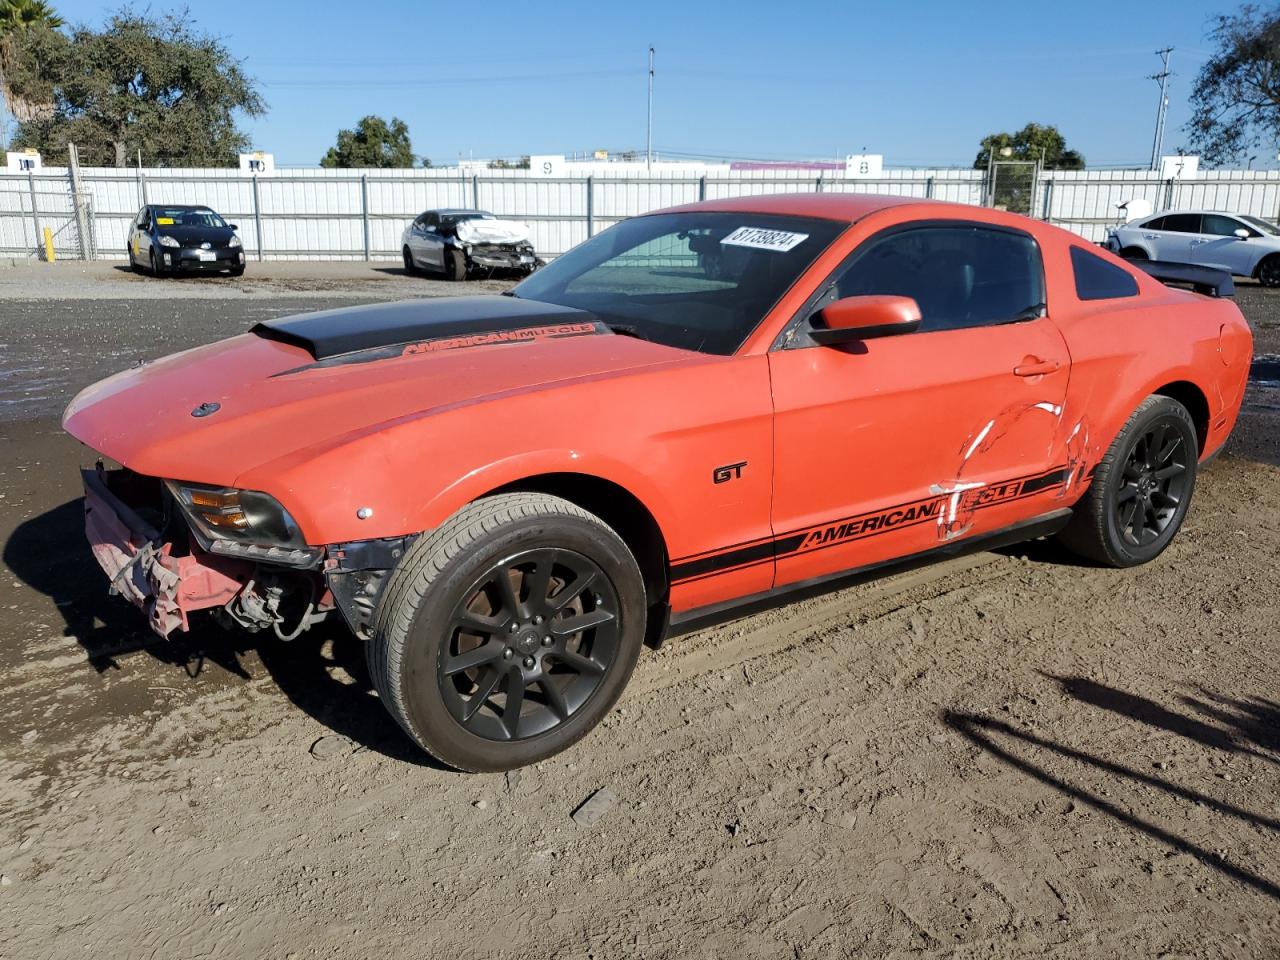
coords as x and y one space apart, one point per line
714 649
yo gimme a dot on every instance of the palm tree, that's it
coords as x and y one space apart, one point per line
19 14
16 17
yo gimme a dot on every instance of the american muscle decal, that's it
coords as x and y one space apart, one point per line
937 509
502 336
555 331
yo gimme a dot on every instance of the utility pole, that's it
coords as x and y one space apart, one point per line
648 150
1161 78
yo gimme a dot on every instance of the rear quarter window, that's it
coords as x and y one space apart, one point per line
1096 279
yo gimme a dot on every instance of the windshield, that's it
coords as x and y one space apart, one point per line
700 281
1262 226
183 217
452 219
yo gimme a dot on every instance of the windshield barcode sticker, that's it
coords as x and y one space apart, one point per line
760 238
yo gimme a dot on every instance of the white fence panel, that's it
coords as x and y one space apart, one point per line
343 214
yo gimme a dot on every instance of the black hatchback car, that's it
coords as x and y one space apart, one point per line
172 238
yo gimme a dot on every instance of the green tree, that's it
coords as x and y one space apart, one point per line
1039 142
373 143
19 19
143 83
1235 103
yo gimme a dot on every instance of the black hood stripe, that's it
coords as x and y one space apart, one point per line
347 330
443 344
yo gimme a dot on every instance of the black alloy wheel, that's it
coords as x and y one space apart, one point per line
529 644
1153 483
508 631
1269 271
1140 489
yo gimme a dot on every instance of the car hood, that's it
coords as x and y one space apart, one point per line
187 236
213 413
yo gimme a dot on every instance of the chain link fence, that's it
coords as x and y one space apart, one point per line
1012 186
45 220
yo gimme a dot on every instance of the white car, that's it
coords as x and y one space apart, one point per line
1242 245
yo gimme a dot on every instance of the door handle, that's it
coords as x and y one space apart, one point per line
1035 367
1150 236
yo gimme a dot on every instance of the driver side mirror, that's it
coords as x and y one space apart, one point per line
234 226
1241 233
864 318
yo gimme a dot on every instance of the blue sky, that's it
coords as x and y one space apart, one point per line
921 82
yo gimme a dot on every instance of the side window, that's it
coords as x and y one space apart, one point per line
961 276
1182 222
1096 279
144 218
1221 226
1156 224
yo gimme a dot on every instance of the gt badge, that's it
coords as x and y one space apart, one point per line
730 471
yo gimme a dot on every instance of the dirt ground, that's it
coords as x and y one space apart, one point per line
1005 755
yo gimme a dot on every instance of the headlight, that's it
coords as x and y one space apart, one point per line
242 523
168 241
234 241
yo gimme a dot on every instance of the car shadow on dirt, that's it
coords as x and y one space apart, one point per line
1252 723
322 672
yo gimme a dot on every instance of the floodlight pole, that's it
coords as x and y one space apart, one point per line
1163 79
648 150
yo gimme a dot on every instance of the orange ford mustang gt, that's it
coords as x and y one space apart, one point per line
506 496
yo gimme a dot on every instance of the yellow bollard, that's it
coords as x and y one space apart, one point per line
48 245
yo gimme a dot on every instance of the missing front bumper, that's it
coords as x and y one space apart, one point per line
142 567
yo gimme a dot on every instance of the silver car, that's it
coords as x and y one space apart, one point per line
1243 245
460 242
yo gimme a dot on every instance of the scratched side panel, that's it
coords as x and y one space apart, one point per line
889 450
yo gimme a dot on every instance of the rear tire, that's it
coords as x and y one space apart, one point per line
237 271
455 265
1141 488
512 593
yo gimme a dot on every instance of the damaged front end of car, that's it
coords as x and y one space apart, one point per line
173 549
493 244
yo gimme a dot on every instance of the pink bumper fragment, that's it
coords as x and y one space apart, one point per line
166 587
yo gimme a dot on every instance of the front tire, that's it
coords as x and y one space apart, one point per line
455 265
409 266
508 632
1141 489
1269 271
1134 253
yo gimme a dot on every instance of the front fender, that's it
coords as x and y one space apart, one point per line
524 466
659 433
